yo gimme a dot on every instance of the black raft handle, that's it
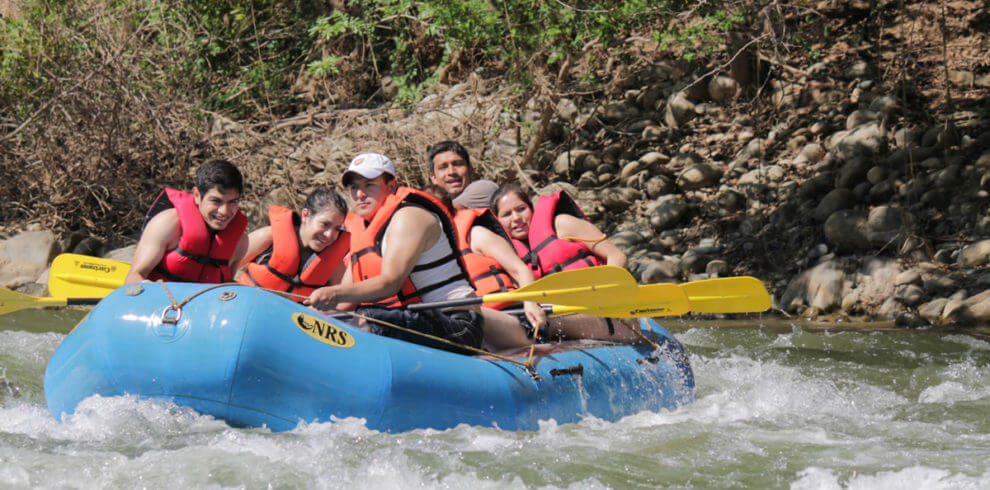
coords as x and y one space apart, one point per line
571 371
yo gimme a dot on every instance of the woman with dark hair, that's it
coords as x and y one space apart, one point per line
492 267
554 236
300 252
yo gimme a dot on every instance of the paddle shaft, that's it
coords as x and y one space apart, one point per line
81 301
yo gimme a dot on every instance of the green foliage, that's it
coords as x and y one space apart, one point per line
34 50
414 40
702 36
234 56
242 57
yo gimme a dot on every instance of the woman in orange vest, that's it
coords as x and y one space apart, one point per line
298 253
493 267
560 237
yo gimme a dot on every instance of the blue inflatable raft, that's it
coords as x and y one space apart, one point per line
255 359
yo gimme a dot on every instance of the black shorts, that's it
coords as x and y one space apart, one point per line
462 327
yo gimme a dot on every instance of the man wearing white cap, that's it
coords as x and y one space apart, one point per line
403 247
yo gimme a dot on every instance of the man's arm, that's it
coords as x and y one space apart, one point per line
159 236
411 232
486 242
257 241
238 255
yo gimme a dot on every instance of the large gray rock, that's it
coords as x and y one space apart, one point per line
722 88
762 175
668 211
567 109
32 247
903 156
123 254
846 230
619 199
655 271
976 309
678 110
860 117
975 255
659 185
853 172
819 287
23 257
575 161
932 310
865 140
887 226
810 154
619 112
699 175
653 159
835 200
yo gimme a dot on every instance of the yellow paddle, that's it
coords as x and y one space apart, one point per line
11 301
727 295
74 275
650 300
723 295
595 286
600 285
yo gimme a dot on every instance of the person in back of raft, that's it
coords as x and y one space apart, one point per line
451 170
403 248
493 267
299 252
556 236
194 237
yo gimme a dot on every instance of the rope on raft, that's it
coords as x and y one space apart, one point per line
528 364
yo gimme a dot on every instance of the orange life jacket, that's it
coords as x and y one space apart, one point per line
283 270
202 255
486 274
366 245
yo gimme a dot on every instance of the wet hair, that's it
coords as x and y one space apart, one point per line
506 189
221 174
448 145
323 198
441 194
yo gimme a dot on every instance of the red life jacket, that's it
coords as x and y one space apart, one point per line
543 251
366 245
283 270
202 255
486 274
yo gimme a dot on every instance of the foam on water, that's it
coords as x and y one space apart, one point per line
799 409
908 479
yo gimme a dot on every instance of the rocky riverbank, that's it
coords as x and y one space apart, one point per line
845 207
846 192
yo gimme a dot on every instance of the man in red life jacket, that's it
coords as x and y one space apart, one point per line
197 236
450 168
403 251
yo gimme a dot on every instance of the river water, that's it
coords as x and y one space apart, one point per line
779 405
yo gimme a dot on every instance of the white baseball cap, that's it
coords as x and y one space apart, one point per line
369 166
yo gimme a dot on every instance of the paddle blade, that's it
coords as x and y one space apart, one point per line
590 286
11 301
75 275
652 300
727 295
